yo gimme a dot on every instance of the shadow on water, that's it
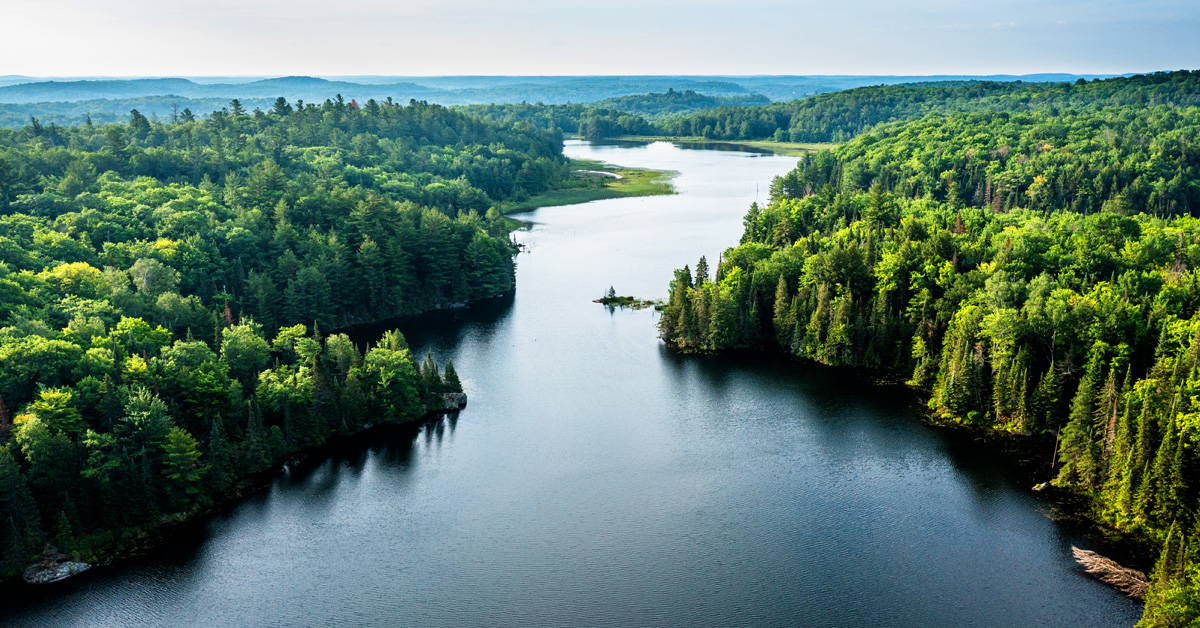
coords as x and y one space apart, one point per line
843 402
439 330
317 478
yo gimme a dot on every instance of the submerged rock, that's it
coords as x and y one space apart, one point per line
54 567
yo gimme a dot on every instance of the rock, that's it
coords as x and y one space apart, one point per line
45 574
454 401
1041 487
53 567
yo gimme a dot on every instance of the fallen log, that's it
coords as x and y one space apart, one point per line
1129 581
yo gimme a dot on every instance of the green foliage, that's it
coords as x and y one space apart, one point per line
181 468
839 116
1031 272
135 260
658 105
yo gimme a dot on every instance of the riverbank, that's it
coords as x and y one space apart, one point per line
131 544
1026 457
790 149
596 180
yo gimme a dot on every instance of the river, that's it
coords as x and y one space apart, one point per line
598 479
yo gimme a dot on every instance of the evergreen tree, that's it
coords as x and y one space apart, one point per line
182 468
450 377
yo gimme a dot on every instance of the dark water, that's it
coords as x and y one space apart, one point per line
597 479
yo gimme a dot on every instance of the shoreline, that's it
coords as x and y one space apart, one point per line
1025 455
148 540
603 181
790 149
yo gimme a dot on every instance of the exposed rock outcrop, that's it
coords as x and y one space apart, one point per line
455 401
53 567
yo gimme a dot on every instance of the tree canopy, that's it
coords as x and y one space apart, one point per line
1031 272
162 288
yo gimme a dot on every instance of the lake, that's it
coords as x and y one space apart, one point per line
598 479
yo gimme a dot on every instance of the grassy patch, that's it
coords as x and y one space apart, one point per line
588 187
794 149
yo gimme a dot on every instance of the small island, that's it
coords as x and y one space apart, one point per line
612 300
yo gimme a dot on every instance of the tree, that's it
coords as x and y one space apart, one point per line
450 378
281 107
20 524
181 468
394 384
139 126
246 352
431 383
152 278
701 271
56 408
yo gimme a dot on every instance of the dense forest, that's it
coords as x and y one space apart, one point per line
164 288
584 120
839 116
656 106
1032 272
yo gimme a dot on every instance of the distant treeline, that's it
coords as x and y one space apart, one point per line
657 106
839 116
584 120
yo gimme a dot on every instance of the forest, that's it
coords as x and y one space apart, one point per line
168 292
1031 272
839 116
656 106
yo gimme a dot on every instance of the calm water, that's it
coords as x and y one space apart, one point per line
597 479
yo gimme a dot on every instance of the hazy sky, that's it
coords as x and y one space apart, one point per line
427 37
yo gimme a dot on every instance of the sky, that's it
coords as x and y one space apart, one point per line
587 37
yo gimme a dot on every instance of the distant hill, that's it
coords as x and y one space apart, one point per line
450 90
68 101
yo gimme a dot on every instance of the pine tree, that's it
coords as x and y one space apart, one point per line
783 305
450 377
219 455
64 537
701 271
1169 568
1078 450
431 384
1044 401
19 514
181 468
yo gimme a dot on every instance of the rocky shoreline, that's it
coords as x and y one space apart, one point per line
55 566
